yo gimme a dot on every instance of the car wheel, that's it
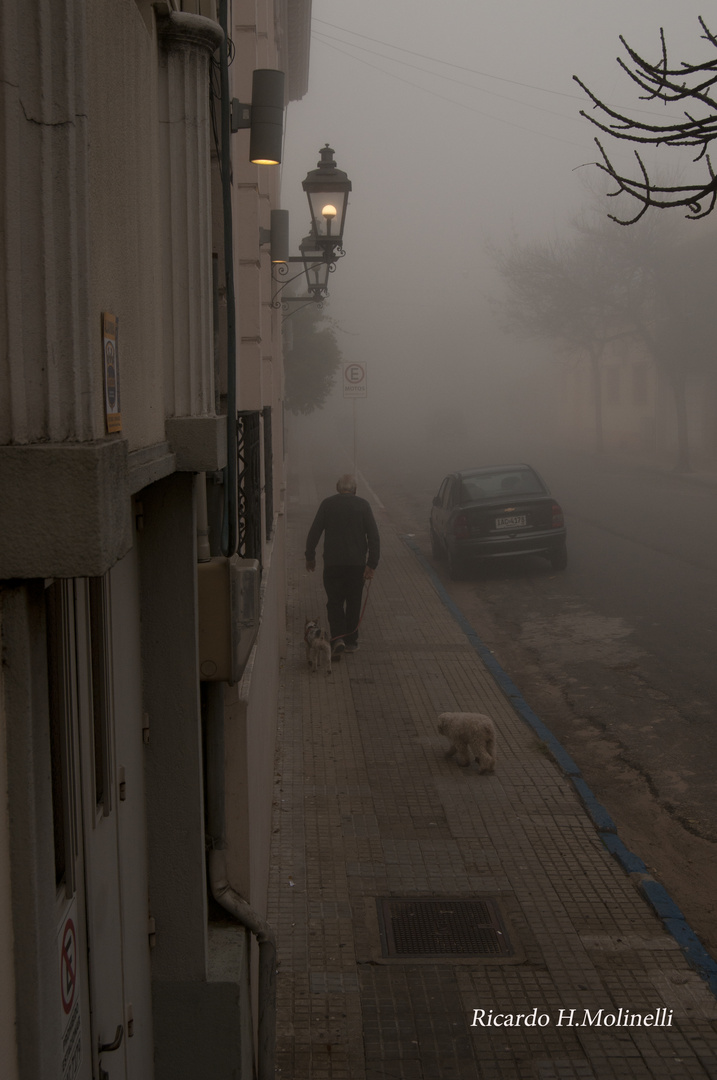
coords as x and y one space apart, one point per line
436 549
559 558
456 566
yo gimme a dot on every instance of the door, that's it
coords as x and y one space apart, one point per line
71 973
100 797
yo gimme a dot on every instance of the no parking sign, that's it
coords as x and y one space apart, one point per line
69 957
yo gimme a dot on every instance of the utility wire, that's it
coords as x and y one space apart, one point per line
452 101
326 38
457 67
447 63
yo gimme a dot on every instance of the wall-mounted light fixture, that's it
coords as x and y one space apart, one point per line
316 268
328 190
278 237
265 116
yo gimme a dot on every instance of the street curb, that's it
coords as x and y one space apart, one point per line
655 894
631 864
602 820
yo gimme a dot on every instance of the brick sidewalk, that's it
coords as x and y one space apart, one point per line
368 806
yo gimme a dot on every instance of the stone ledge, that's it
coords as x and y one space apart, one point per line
183 30
65 509
150 464
199 442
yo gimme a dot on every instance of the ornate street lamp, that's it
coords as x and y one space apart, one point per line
327 189
316 267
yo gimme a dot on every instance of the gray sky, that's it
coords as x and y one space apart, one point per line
447 156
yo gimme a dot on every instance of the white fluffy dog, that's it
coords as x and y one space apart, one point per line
471 735
318 646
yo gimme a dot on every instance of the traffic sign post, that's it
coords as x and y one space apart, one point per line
355 380
355 388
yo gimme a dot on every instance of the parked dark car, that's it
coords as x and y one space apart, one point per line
495 512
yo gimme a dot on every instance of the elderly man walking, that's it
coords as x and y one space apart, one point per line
351 553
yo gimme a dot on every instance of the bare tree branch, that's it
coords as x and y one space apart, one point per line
689 83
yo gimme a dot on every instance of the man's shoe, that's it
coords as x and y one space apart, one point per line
352 646
338 648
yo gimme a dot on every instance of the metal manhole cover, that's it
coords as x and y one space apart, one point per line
441 927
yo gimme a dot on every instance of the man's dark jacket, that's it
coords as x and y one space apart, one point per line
351 534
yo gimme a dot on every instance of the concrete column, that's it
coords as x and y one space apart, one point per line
49 390
187 42
174 776
33 929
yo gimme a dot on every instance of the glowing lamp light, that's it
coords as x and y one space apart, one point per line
327 189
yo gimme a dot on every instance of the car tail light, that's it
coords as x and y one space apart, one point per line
461 528
558 519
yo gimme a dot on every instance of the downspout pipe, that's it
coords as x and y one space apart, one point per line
221 889
266 939
229 528
234 904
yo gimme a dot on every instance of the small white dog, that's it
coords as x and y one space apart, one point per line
317 645
471 734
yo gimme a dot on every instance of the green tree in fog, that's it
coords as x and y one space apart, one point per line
312 359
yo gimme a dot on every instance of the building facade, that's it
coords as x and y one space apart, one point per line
135 758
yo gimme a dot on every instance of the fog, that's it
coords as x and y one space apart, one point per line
459 128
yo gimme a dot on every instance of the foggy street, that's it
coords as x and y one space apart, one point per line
484 344
313 313
616 653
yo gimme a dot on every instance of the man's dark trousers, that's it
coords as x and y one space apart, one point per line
344 589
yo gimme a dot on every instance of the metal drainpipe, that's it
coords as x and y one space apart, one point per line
222 891
204 553
229 529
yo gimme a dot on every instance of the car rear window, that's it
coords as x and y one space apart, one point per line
504 482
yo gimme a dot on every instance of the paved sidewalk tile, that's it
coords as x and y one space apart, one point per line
367 805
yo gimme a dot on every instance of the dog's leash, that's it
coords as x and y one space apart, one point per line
340 637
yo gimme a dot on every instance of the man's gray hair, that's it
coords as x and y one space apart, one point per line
346 484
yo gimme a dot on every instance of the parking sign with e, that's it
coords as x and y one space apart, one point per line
355 380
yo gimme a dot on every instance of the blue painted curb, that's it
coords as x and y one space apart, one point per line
630 863
694 951
602 820
656 895
660 901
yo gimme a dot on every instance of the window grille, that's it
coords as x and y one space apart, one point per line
249 483
268 472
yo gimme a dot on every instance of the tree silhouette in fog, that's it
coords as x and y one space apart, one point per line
605 284
311 361
689 84
572 293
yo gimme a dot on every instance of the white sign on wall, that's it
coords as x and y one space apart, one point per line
355 380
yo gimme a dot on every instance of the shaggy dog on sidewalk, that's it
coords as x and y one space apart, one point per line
471 734
317 645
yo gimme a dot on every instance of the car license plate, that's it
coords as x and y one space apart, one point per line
513 522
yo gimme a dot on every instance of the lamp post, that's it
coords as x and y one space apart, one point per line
327 188
316 267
